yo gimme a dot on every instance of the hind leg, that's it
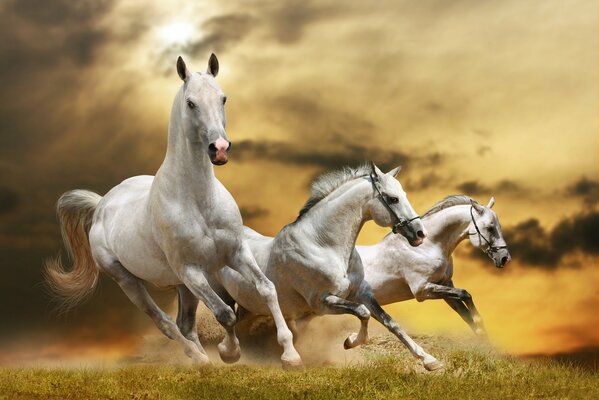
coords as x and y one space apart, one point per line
186 315
137 293
195 280
367 297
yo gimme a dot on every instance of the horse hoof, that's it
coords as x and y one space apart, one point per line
229 357
433 365
292 364
201 361
350 342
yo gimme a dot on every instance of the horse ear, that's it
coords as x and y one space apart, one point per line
491 202
212 65
375 170
394 172
479 209
182 69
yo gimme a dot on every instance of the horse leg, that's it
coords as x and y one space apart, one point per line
435 291
243 261
459 307
332 304
195 280
138 294
186 315
367 297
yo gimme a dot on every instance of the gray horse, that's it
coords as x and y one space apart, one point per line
178 228
313 262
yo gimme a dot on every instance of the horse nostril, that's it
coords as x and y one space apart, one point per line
212 147
420 234
504 260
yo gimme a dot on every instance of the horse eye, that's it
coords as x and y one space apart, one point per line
393 200
224 99
190 104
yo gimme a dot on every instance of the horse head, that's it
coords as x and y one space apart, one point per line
484 232
203 110
390 206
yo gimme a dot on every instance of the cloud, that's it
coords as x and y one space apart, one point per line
9 200
534 246
585 188
473 188
505 186
220 32
252 212
320 157
288 22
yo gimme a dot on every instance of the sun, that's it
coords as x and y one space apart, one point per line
179 32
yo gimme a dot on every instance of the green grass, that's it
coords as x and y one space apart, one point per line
472 372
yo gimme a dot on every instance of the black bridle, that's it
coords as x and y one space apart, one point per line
490 249
400 222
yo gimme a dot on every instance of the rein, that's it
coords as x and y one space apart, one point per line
490 249
400 222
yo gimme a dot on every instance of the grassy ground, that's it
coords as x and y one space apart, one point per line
473 371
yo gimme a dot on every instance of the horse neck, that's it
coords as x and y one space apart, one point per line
448 227
339 218
186 165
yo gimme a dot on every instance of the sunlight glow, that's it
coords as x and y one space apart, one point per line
177 32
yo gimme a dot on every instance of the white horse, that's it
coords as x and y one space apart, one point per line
175 229
397 271
313 262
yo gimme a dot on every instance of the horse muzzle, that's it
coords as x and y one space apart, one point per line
415 236
218 151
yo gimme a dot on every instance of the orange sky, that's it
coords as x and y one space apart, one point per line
488 98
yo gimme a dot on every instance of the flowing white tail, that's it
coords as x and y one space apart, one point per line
75 211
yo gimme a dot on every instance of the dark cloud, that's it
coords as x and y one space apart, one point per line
9 200
311 118
483 150
51 33
534 246
425 182
473 188
505 186
289 21
320 157
252 212
585 188
218 33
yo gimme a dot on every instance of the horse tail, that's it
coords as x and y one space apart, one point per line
75 210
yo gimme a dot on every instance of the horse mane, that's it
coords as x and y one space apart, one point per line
449 201
327 183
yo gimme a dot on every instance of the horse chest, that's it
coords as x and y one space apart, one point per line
197 241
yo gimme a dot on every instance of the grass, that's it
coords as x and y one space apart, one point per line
387 372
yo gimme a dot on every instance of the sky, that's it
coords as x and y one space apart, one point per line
477 98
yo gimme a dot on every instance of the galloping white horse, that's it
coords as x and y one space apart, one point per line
175 229
313 261
397 271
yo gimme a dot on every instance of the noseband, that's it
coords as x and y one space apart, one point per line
400 222
490 249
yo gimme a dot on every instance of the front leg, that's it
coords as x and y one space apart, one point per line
243 261
458 299
332 304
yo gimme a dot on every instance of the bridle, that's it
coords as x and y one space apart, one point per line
490 249
400 222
